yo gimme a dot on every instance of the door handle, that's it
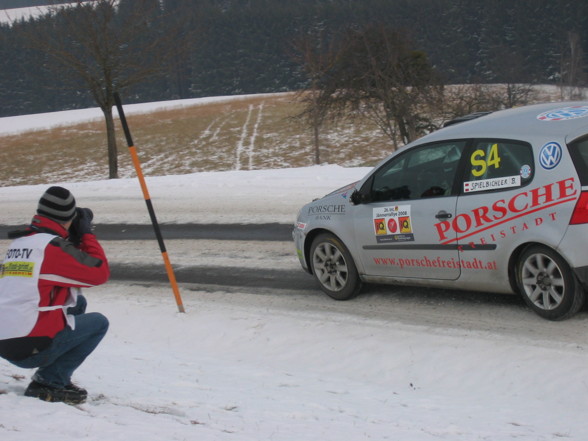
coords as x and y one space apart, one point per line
443 215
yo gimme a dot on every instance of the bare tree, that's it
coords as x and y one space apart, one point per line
374 71
510 72
108 45
315 115
314 52
464 99
572 75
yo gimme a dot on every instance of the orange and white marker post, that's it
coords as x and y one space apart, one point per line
170 271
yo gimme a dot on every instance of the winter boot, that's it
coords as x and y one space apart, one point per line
70 394
76 388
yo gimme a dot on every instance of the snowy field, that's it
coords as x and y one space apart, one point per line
292 366
8 16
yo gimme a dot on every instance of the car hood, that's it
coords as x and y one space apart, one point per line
342 191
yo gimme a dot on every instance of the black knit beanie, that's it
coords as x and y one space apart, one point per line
57 203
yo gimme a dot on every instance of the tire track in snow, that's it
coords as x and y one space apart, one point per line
214 136
209 133
206 132
165 159
241 149
254 134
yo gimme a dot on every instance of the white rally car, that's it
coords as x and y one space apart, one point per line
497 203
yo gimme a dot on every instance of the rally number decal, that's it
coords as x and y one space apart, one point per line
480 163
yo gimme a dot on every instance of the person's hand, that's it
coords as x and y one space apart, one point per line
83 220
81 224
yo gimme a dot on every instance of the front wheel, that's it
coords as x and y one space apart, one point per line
333 267
548 284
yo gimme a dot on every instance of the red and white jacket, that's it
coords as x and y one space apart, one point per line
40 276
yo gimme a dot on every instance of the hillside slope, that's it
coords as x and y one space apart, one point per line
247 133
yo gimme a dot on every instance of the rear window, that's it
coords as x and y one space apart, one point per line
579 154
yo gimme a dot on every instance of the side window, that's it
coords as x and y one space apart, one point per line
423 172
498 164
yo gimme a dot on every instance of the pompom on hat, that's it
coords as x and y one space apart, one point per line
57 203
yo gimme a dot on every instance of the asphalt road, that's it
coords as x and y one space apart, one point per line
248 279
217 276
262 232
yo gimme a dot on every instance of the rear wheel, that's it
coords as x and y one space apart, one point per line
548 284
333 267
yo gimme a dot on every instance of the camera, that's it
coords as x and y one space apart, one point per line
80 225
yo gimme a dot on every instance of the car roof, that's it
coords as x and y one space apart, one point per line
564 120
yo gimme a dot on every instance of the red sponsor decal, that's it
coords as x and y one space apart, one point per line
503 211
392 226
405 224
380 226
436 262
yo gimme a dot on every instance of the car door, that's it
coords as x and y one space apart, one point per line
398 211
495 210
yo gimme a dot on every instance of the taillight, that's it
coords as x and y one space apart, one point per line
580 215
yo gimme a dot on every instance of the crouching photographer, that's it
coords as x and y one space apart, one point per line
43 319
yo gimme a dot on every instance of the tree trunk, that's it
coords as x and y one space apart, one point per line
112 148
317 155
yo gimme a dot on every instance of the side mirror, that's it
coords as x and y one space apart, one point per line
358 197
364 194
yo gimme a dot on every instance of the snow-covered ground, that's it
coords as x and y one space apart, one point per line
16 14
10 125
293 366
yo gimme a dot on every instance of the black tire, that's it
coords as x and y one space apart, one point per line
333 267
547 284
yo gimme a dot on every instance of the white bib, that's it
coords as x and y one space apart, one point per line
19 285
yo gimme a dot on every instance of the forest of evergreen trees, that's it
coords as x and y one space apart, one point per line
246 46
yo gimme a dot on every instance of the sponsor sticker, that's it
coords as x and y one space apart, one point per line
531 206
481 162
550 155
436 262
17 269
393 224
564 113
325 212
492 184
326 209
525 171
